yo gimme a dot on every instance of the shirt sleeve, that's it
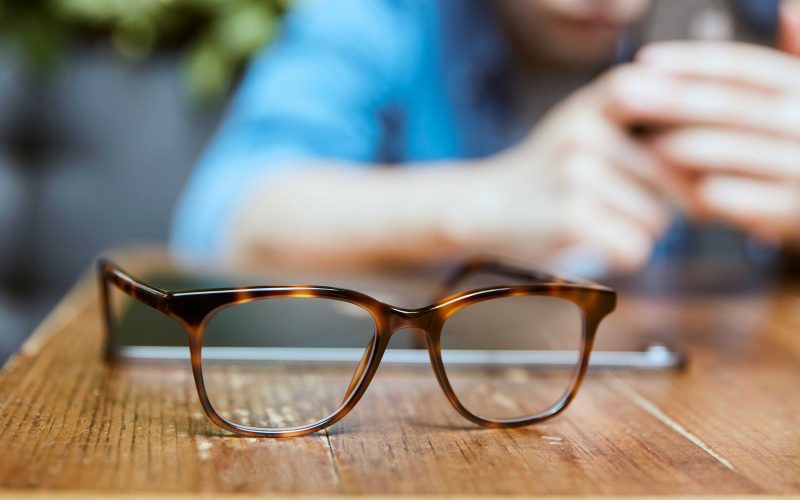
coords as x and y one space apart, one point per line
317 92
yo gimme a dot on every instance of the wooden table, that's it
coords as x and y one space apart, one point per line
729 424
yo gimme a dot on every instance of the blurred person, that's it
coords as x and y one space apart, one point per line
420 131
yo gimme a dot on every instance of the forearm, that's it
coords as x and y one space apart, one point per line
329 214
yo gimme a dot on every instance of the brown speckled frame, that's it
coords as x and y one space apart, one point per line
194 308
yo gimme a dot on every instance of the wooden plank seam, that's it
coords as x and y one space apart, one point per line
650 407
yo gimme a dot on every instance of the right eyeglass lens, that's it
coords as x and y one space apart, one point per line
286 362
513 357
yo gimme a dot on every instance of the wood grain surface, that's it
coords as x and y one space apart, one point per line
729 424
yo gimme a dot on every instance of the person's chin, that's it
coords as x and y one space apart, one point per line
584 42
580 61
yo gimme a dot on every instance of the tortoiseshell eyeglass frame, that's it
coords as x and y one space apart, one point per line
194 308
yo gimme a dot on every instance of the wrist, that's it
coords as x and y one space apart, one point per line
501 207
477 214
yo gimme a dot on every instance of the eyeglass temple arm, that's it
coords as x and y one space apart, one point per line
490 266
111 274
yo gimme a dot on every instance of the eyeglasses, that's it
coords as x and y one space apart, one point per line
540 330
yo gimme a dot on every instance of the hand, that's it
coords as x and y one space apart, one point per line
580 180
729 115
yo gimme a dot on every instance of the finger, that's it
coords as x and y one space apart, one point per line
719 150
742 63
622 242
591 176
621 86
598 131
618 147
663 101
765 208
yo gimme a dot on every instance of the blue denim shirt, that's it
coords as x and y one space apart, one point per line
361 81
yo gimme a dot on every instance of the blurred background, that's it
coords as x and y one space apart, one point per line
104 107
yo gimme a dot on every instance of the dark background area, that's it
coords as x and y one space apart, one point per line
93 156
104 108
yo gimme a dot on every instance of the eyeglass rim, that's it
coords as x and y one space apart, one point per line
193 309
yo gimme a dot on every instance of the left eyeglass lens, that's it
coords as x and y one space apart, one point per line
285 362
135 324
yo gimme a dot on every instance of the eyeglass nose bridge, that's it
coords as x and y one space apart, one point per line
402 318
